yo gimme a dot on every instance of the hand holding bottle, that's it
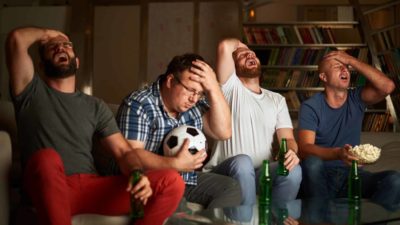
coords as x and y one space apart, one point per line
139 187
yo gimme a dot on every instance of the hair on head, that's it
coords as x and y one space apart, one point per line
181 63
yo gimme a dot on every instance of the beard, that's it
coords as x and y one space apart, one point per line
54 71
242 71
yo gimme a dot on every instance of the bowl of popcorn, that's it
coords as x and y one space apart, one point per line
366 153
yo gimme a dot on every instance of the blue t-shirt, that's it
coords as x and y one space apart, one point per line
333 127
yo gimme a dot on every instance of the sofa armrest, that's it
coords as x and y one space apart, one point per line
5 166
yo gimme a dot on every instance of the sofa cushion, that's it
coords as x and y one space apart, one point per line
379 139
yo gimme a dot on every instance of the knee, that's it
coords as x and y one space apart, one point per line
295 176
232 186
242 164
173 182
393 180
312 164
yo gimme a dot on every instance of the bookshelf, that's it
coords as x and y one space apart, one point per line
290 51
381 28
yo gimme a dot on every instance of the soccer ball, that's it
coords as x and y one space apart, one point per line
175 138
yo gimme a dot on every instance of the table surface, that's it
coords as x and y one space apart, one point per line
299 211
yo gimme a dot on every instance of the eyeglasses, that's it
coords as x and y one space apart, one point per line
64 44
192 91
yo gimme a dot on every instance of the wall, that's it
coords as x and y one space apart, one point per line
218 20
181 27
116 54
170 33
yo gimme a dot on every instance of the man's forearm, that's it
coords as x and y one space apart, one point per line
151 161
219 116
25 37
291 143
376 78
306 150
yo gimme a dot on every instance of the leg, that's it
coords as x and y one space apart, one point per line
168 188
241 169
285 187
108 195
214 191
382 188
46 185
315 182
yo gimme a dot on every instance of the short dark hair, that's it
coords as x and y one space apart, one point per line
181 63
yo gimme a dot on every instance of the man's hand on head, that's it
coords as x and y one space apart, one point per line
51 34
340 56
205 75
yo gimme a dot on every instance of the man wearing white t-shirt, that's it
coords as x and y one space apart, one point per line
257 114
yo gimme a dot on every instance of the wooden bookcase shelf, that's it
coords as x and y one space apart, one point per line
383 40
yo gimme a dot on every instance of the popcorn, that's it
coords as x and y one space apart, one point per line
366 153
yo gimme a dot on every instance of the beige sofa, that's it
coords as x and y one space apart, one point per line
389 142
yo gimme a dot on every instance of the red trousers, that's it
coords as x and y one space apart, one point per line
58 197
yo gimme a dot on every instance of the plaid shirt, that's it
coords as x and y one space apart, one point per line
142 117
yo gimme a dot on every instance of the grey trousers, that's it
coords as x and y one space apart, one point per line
214 191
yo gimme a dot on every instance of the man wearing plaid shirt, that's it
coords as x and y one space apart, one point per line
177 98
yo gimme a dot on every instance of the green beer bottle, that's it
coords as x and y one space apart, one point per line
265 186
354 213
281 159
137 208
354 183
283 214
264 214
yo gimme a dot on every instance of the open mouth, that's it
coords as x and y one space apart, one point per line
61 57
343 77
251 62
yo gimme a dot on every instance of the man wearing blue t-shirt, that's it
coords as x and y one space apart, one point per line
330 124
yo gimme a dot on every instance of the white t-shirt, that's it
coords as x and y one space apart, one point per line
255 117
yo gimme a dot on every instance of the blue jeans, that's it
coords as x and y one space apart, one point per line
323 181
241 168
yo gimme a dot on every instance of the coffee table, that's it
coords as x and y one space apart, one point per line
300 211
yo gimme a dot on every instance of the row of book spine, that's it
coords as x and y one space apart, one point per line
290 35
376 122
301 56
